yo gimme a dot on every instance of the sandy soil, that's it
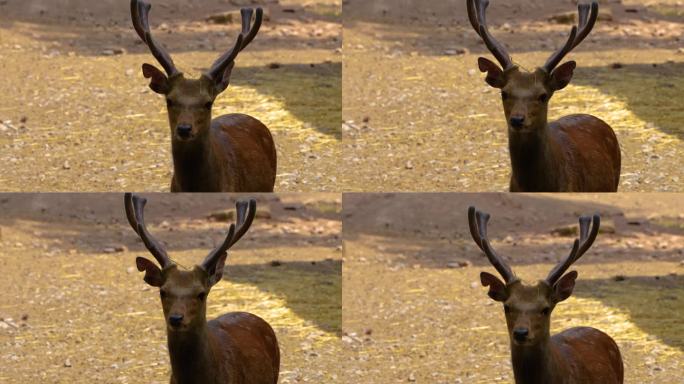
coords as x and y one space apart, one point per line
416 107
76 113
414 310
74 309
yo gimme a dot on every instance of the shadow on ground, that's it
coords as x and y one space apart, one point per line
655 304
295 84
430 28
181 223
86 27
440 233
312 289
652 91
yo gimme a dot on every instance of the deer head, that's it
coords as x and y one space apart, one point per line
527 306
183 293
189 101
525 94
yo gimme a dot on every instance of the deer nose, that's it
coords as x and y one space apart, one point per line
175 320
520 334
517 121
184 130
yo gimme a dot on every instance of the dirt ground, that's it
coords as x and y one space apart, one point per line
74 308
416 107
414 309
76 113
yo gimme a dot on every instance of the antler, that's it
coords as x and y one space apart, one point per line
476 14
140 10
580 246
245 215
135 206
244 38
478 230
588 14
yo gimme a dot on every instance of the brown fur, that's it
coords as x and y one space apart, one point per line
232 153
574 356
244 344
235 348
581 153
239 146
580 355
578 153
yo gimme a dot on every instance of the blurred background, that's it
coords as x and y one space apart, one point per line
76 113
415 311
75 309
416 105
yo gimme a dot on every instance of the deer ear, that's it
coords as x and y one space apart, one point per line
158 80
564 286
153 275
497 289
495 75
561 76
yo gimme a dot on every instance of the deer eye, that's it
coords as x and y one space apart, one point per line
546 311
543 97
201 296
208 105
504 95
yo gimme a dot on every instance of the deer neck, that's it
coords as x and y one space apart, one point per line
192 164
535 364
192 360
532 160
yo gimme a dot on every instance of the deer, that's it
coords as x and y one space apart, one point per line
576 153
234 348
580 355
230 153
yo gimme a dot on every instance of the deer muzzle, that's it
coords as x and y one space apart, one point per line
184 131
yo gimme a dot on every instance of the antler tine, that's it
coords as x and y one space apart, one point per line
245 37
135 207
246 210
588 14
140 10
579 247
478 19
478 230
247 12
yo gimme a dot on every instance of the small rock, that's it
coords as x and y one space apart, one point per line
459 264
113 51
274 66
408 165
67 363
224 17
66 165
114 249
616 65
276 263
456 51
619 278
